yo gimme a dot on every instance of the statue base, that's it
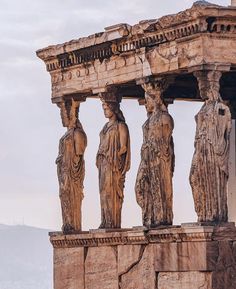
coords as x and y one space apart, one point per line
184 257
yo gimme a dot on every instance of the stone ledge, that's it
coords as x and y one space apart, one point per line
142 236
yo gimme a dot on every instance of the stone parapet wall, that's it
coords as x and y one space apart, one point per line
187 257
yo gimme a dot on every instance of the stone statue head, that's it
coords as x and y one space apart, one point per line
153 97
150 103
69 112
113 109
209 84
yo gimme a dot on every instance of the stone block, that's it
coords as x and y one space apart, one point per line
185 256
224 275
69 268
101 268
142 274
189 257
128 256
111 65
184 280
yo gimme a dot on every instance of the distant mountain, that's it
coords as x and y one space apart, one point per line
25 258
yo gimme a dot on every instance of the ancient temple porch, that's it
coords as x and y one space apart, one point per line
175 54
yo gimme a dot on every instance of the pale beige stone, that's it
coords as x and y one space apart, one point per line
101 268
185 256
69 268
134 259
128 256
142 274
185 280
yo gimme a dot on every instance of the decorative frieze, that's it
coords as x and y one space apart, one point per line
133 236
200 18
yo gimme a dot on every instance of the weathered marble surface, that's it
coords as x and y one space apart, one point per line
174 45
168 258
101 268
71 167
153 187
124 53
69 268
209 171
188 280
141 274
113 161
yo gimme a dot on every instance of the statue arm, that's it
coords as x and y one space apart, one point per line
124 139
223 130
229 122
124 151
168 125
80 142
59 157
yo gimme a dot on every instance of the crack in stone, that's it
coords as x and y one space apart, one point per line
85 253
156 281
115 250
141 252
86 249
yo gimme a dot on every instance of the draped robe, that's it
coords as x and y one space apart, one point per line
209 171
71 172
112 170
154 179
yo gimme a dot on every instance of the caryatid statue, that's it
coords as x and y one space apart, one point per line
70 166
154 179
113 161
209 171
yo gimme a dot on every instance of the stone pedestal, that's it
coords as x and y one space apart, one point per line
186 257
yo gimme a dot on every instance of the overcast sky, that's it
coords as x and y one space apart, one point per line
30 126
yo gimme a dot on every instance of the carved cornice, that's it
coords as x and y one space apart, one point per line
121 39
97 239
132 236
181 235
